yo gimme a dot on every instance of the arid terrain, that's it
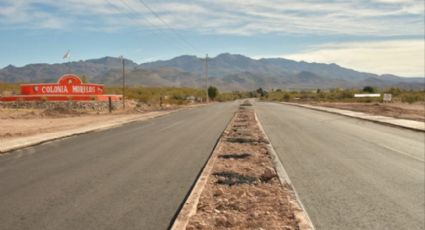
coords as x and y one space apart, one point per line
398 110
21 123
27 122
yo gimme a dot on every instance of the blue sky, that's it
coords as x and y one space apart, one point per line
379 36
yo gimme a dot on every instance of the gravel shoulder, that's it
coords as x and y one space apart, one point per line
389 121
15 127
414 112
25 127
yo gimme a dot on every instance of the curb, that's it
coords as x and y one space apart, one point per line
323 109
188 207
301 214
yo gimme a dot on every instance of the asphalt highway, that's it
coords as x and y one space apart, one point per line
132 177
349 174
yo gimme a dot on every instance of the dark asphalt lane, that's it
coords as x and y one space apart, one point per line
349 174
131 177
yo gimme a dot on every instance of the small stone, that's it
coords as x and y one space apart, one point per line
220 221
255 214
231 220
219 192
268 174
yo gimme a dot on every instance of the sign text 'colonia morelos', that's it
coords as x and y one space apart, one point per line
69 87
62 89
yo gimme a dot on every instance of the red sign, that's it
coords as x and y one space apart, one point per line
68 84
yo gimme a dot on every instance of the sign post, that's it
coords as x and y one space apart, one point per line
110 104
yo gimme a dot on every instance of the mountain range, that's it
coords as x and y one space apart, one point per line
228 72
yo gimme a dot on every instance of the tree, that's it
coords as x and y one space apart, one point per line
212 92
261 92
369 89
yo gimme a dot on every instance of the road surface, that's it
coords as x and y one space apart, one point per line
132 177
349 174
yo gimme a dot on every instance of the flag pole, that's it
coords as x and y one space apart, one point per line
67 56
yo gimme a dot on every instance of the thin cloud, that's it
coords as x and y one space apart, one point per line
247 17
400 57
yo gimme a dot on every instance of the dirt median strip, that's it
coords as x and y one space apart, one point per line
239 187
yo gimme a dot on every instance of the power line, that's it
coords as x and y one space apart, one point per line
168 26
156 30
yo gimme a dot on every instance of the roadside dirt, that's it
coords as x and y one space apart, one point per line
397 110
22 127
27 122
243 190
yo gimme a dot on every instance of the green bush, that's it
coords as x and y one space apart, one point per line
369 89
212 92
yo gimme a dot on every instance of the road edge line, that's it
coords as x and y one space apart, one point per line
302 216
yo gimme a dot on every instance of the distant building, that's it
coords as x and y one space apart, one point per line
191 99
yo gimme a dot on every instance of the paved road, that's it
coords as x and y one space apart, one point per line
350 174
132 177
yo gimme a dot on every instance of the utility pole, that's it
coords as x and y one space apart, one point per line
123 82
206 76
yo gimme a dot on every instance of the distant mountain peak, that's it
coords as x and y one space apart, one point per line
185 57
109 60
227 71
231 56
8 67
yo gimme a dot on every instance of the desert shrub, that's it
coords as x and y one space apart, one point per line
9 88
394 91
152 95
410 98
286 97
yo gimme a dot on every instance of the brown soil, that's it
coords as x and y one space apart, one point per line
27 122
243 191
398 110
26 126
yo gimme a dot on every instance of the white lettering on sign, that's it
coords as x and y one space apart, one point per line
83 89
54 89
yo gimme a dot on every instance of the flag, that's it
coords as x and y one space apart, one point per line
67 55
